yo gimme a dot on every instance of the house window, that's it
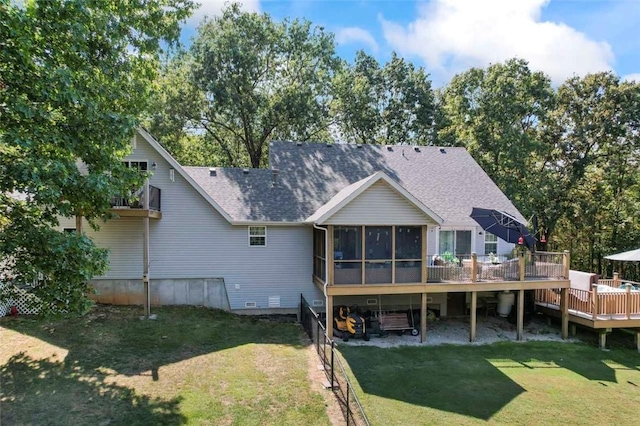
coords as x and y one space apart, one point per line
140 165
455 242
257 236
490 243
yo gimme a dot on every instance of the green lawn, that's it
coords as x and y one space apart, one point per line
535 383
190 366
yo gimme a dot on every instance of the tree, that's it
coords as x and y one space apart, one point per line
594 130
496 113
393 104
74 78
257 80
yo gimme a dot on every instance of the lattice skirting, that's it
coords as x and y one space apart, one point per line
21 302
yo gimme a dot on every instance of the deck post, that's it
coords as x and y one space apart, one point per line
564 309
595 304
573 329
603 339
474 267
566 264
636 338
520 314
145 266
423 318
329 324
521 264
628 304
616 279
474 306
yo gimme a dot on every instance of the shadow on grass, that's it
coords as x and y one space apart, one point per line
472 380
114 337
50 392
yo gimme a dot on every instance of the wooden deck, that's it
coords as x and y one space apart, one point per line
615 305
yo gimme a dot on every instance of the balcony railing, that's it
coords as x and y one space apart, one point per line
138 198
540 266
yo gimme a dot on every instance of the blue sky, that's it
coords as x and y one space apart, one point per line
560 37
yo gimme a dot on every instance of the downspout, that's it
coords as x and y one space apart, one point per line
326 268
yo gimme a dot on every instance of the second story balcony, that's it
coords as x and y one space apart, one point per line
144 202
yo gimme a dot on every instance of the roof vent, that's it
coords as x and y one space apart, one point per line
389 148
359 145
298 143
329 145
274 177
416 148
443 151
212 171
245 171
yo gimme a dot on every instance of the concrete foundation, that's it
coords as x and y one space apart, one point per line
209 292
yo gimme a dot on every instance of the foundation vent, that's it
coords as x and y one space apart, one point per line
318 303
274 301
250 304
372 302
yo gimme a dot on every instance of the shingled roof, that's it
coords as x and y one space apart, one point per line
305 176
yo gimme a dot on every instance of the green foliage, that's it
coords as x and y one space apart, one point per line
567 155
246 80
393 104
595 128
74 77
496 114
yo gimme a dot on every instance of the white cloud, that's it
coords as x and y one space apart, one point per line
211 8
452 35
632 77
356 35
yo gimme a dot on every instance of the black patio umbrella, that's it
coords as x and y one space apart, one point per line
504 226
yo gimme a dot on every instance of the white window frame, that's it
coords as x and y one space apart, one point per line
263 234
473 236
133 160
495 242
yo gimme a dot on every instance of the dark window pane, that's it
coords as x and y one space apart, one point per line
347 243
463 242
378 242
408 242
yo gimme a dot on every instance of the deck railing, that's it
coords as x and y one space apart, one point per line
137 199
540 266
480 268
622 303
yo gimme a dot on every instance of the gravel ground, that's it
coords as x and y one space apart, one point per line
456 331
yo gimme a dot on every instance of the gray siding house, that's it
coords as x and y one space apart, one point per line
336 223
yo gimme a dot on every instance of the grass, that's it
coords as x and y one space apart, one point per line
190 366
533 383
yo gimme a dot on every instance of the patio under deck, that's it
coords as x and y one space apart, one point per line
530 271
601 310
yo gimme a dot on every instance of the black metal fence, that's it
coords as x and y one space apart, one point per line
333 368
